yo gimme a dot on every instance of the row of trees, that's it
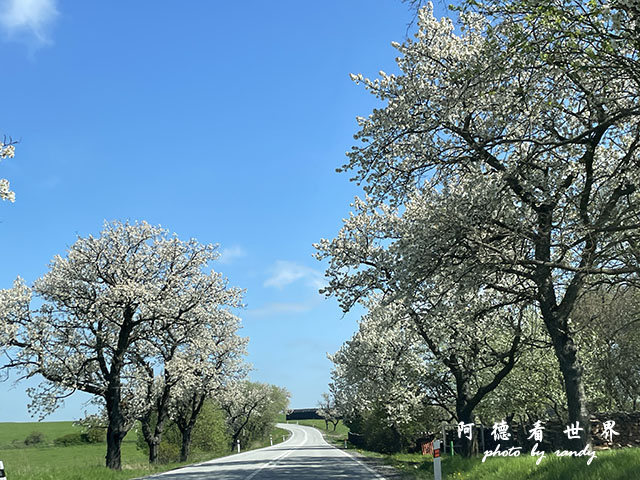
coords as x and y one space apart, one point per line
137 318
244 414
387 385
501 181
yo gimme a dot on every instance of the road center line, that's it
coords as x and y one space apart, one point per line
271 463
277 459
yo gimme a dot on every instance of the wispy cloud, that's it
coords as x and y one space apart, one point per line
281 308
28 20
285 273
228 255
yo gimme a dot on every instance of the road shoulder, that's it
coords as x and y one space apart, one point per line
379 466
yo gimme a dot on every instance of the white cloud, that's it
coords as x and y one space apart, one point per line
281 308
30 20
228 255
285 273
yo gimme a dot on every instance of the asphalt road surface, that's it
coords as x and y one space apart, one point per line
304 456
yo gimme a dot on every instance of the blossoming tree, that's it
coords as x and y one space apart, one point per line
430 307
386 369
252 408
528 125
104 307
328 410
211 365
193 360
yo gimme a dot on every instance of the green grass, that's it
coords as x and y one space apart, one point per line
336 437
13 434
623 464
341 429
74 462
276 433
81 462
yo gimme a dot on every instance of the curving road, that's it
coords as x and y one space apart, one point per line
304 456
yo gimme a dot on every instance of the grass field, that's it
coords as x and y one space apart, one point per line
13 434
336 437
276 433
81 462
341 428
623 464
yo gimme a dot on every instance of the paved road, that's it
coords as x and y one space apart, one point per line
304 456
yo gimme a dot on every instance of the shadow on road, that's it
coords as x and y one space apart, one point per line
298 467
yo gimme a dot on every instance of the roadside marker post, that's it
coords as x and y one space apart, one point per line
238 445
437 468
271 440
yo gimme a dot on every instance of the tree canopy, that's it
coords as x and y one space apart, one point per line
115 312
504 162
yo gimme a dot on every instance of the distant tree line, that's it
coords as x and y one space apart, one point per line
244 416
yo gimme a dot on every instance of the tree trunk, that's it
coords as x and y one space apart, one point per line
116 430
153 438
464 410
465 403
186 428
572 374
555 317
396 441
149 438
115 434
187 421
153 451
466 415
185 448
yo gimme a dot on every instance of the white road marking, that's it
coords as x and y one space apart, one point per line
277 459
362 464
272 462
293 449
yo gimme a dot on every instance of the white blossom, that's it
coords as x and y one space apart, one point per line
500 176
115 312
6 151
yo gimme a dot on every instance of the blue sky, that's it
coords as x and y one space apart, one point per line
222 121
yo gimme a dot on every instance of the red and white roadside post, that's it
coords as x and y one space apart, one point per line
437 468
